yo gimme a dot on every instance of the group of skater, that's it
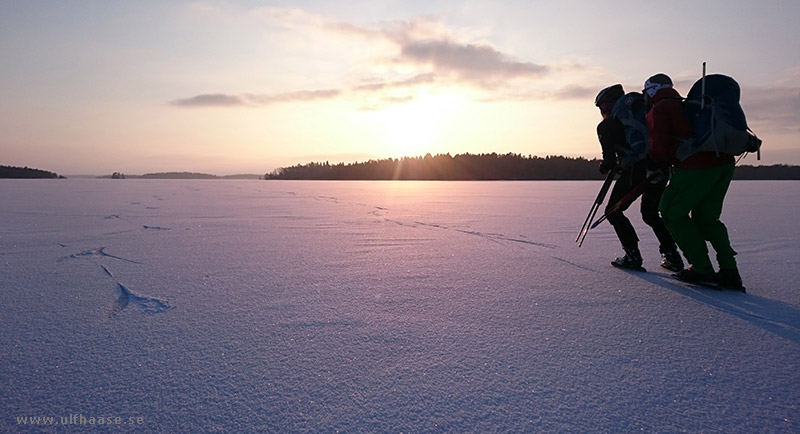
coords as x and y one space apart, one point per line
683 198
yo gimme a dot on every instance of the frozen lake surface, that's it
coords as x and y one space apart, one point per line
290 306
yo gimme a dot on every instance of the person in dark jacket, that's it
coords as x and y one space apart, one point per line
611 134
692 202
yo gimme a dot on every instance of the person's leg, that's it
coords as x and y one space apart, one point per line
670 257
622 226
649 208
686 190
707 213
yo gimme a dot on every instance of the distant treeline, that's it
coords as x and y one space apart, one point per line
25 172
444 167
774 172
485 167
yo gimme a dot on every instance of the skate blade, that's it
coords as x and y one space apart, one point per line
671 268
625 267
710 285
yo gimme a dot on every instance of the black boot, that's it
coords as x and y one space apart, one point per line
730 279
632 259
672 261
689 275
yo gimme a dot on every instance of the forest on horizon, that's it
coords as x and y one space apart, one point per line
25 173
442 167
486 167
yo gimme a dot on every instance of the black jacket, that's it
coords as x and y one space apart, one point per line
611 134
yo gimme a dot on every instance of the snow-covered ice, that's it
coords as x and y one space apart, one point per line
290 306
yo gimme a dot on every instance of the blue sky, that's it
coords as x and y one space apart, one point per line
246 86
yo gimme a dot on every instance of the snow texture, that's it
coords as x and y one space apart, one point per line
361 307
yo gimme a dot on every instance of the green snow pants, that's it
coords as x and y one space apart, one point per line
691 207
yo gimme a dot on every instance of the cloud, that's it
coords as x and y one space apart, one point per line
209 100
378 94
473 63
774 108
575 91
347 29
253 100
302 95
428 46
405 56
411 82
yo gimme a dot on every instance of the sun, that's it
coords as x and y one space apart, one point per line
416 127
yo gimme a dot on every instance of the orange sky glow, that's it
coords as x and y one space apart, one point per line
246 86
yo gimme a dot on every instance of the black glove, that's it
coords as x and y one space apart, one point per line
655 176
605 167
657 172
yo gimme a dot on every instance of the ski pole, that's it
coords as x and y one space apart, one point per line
703 89
627 199
601 195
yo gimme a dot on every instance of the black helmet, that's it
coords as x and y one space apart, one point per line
609 94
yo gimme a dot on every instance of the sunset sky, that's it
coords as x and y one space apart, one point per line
244 86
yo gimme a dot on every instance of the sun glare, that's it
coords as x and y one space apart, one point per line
413 128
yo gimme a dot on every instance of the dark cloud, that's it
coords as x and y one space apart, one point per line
575 92
467 61
224 100
210 100
429 48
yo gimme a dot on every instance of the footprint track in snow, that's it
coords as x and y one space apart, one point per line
156 228
383 212
125 297
96 254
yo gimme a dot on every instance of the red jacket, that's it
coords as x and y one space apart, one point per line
668 125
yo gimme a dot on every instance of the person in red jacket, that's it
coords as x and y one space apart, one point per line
692 202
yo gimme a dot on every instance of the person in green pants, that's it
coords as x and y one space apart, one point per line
692 202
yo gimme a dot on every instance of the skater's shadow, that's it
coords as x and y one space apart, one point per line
773 316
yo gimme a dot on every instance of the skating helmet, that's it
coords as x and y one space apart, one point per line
609 95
